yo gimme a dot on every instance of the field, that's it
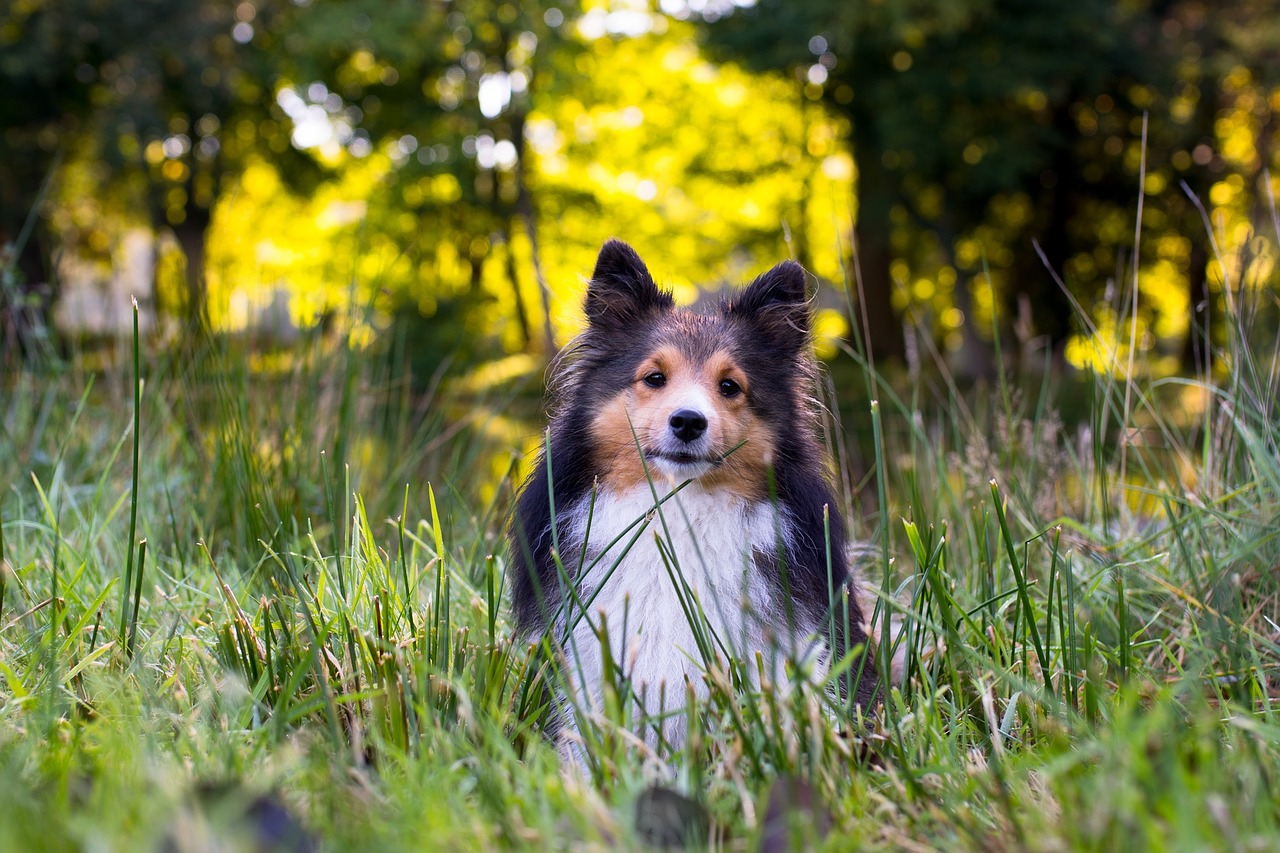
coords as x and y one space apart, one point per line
255 601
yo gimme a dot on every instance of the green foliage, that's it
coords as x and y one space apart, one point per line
263 587
444 150
980 127
162 97
317 639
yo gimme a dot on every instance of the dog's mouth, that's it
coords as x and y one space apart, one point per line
683 458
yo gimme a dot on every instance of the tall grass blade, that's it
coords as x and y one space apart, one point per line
137 599
1025 613
4 564
133 489
410 594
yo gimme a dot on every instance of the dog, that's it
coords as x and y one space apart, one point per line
680 513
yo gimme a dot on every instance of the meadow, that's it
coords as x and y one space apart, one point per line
253 578
256 601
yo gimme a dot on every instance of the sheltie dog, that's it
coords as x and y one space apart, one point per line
680 513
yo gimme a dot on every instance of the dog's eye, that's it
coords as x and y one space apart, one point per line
729 388
655 380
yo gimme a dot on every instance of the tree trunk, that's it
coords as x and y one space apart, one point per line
974 358
525 212
1051 309
798 231
872 254
1202 34
26 303
28 289
1197 347
475 282
513 275
191 235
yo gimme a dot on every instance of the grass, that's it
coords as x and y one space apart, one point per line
286 621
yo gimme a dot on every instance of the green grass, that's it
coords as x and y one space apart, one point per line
295 595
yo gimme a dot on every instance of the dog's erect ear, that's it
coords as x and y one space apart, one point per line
621 291
777 304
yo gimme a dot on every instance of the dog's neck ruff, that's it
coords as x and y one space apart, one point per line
643 560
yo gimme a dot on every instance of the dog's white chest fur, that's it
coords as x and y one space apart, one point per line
698 549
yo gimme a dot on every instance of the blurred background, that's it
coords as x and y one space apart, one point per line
440 174
1043 235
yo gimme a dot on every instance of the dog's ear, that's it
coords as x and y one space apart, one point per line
621 291
777 304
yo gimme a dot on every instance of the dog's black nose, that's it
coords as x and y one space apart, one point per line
688 425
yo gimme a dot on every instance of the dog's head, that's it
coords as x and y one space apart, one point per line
670 393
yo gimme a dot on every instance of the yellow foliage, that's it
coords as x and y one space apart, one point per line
713 173
1163 288
830 327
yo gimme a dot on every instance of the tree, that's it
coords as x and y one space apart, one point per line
446 90
698 165
796 37
953 104
1225 65
609 134
47 51
175 93
208 79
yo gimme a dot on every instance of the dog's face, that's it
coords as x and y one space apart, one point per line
684 396
684 415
